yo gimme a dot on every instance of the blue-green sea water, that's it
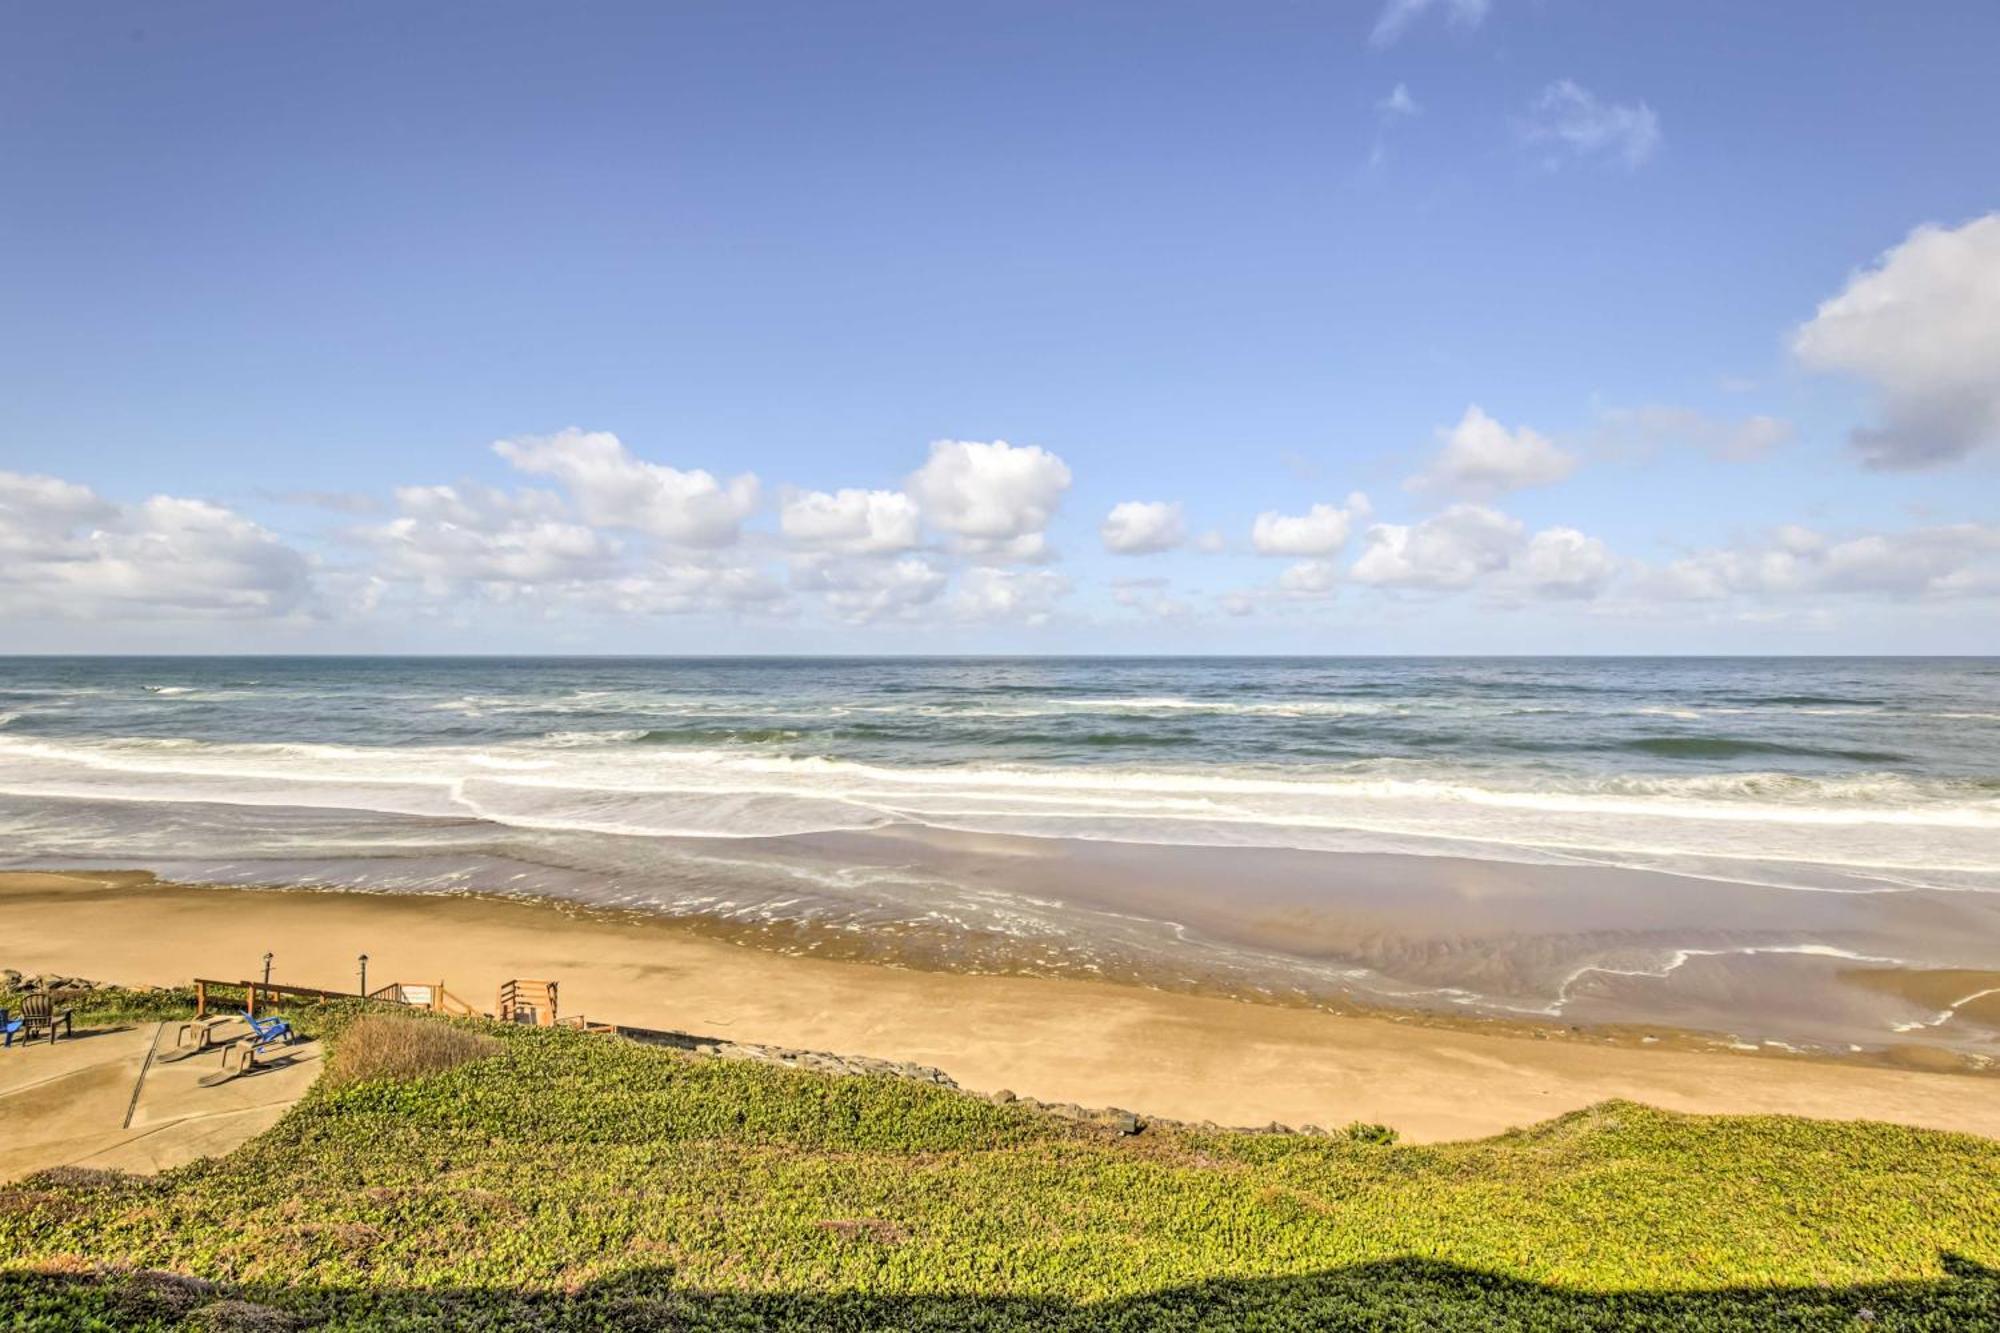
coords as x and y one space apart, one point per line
795 790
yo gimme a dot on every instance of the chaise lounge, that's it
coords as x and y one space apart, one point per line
242 1055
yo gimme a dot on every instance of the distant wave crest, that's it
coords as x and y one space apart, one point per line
623 783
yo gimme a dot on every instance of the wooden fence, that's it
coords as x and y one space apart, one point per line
432 997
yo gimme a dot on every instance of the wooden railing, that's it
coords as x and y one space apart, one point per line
521 1001
431 996
434 998
269 989
527 1002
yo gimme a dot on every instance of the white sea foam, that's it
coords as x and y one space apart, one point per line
1914 832
1676 959
1946 1014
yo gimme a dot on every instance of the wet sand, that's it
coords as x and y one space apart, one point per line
1195 1057
1555 943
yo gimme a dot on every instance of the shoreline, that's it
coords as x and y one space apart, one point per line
1165 1053
1621 952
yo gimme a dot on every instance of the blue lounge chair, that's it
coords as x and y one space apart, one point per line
264 1031
242 1055
8 1027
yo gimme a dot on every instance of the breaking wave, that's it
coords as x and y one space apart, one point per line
622 784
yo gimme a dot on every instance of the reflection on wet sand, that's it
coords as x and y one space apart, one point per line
1575 944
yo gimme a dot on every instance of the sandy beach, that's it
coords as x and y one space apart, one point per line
1186 1056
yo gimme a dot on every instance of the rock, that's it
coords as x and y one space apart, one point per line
1122 1121
1002 1097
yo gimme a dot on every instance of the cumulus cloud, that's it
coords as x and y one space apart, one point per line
996 499
1482 458
1029 595
70 553
1562 562
861 592
1449 550
1321 530
853 522
1645 430
1398 16
1576 122
614 489
1923 328
445 535
1955 560
1142 527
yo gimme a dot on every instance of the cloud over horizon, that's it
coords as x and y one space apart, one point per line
1922 328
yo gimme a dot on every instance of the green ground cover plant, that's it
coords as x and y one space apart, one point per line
562 1180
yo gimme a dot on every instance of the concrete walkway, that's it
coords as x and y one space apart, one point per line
100 1099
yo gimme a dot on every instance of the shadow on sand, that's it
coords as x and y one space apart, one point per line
1401 1294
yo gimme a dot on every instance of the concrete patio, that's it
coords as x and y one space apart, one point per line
104 1099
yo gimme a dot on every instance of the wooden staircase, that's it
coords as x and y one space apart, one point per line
425 995
530 1002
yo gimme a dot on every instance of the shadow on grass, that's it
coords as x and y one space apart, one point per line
1399 1294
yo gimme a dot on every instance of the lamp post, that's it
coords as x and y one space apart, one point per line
364 976
267 969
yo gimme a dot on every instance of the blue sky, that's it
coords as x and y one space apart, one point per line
1723 282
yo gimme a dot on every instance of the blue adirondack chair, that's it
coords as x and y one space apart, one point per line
264 1031
9 1025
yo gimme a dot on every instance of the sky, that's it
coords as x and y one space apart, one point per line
1426 326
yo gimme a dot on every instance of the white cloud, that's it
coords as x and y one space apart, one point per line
682 587
1562 562
1482 459
986 593
1141 527
996 499
853 522
1321 530
1398 15
71 554
1450 550
1923 327
1956 560
1211 542
1645 429
1576 121
861 592
447 535
614 489
1310 578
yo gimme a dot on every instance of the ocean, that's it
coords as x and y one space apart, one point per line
1717 842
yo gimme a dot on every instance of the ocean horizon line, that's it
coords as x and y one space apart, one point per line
1003 657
